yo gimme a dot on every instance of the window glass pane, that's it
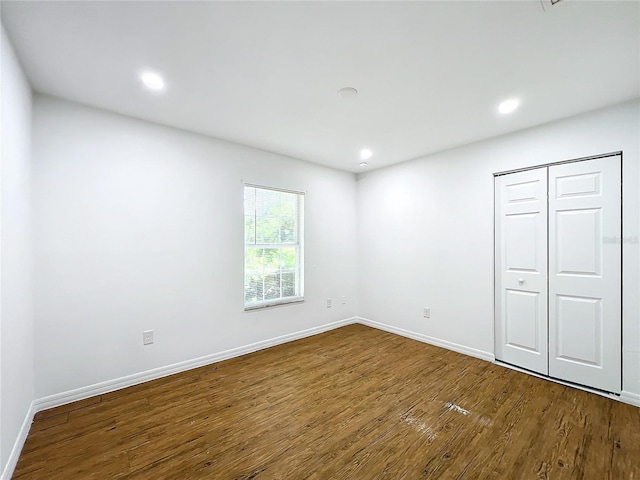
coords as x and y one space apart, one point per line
289 218
276 216
252 289
249 229
253 261
288 283
267 220
268 229
270 273
272 286
287 257
288 229
271 260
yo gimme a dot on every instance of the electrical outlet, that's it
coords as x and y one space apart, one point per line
147 337
344 300
328 303
426 313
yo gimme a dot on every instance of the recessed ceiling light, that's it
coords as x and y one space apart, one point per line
152 81
365 153
347 92
508 106
363 164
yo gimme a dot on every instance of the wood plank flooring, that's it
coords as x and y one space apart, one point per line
352 403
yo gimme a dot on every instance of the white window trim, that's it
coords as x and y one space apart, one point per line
273 303
300 279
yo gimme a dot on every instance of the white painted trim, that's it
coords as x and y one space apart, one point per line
474 352
136 378
630 398
12 461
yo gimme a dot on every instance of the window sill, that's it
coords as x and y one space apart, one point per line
273 303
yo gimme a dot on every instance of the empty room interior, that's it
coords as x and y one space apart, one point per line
320 240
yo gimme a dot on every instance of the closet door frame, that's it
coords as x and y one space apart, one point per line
615 156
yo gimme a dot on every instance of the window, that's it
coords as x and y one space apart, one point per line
273 225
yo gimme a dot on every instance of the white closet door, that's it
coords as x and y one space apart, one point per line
521 269
585 273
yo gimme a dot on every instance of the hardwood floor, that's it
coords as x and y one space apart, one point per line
352 403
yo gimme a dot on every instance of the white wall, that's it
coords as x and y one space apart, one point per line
139 226
425 230
16 302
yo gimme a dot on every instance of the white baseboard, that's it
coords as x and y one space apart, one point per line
136 378
630 398
474 352
12 461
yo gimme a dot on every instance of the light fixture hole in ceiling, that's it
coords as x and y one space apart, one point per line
347 92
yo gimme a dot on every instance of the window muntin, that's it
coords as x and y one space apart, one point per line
273 221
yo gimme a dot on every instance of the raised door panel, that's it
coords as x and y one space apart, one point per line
522 317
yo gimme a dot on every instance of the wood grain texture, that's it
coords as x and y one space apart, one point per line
352 403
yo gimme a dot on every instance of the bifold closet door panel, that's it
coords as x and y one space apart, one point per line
585 261
521 269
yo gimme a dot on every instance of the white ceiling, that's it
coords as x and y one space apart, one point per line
265 74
